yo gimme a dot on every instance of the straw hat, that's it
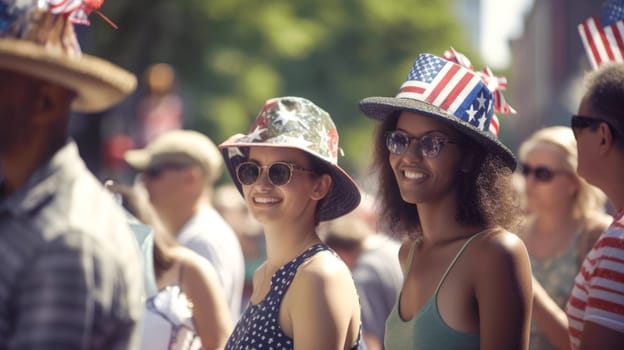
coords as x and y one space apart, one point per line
294 122
37 38
182 147
448 92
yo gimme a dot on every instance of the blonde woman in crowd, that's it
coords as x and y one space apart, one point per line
565 216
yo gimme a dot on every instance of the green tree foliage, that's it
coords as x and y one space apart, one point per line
232 55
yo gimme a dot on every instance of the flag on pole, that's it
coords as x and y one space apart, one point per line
603 36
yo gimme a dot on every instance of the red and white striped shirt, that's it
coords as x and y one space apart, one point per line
598 292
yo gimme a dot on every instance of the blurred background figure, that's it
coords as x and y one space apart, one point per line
179 170
160 110
188 308
565 216
373 260
70 268
229 203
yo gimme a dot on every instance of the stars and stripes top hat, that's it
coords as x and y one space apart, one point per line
603 36
452 93
295 122
37 38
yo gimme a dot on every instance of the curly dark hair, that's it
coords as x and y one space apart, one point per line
485 194
605 93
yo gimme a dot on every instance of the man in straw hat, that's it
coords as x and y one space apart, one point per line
69 266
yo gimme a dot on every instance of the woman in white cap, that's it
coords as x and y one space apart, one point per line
445 185
286 169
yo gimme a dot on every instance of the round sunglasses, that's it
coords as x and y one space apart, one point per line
279 173
541 173
429 146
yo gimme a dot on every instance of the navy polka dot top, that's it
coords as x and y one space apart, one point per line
258 327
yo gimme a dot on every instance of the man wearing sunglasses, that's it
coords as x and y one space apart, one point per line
596 306
178 170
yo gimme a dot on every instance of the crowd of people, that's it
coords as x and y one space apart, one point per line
447 252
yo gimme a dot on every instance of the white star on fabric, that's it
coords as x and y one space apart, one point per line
255 135
481 100
482 122
285 116
234 151
471 113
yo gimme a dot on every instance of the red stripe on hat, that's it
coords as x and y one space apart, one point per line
494 125
442 83
452 96
414 89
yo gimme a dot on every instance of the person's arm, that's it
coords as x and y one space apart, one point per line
551 319
321 306
211 313
503 290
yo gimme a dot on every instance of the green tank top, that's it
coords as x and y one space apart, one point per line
427 330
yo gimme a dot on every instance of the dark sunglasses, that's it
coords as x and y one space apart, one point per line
279 173
156 171
429 146
578 122
541 173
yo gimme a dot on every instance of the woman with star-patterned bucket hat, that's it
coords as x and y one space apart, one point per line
445 186
286 169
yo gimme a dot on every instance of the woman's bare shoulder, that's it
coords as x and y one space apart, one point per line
500 257
195 266
499 244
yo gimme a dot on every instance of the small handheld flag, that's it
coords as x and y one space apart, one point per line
603 37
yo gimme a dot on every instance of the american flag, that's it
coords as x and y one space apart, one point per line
457 57
78 10
64 6
603 37
450 87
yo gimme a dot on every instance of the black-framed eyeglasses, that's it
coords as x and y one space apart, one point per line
578 122
541 173
279 173
157 170
429 146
